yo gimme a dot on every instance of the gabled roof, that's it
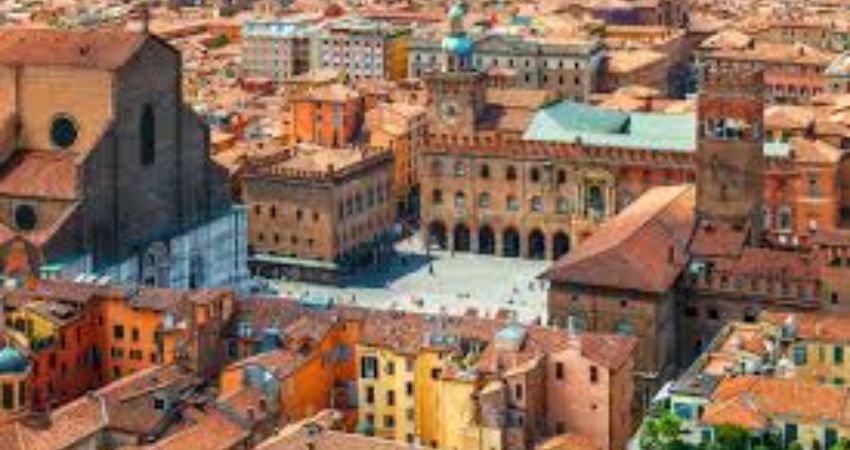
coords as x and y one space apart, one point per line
94 49
753 401
632 249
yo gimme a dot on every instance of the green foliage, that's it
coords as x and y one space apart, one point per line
662 433
842 444
219 41
731 437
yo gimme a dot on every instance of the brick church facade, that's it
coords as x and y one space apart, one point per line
104 169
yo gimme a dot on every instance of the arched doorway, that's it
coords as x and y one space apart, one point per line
536 245
437 235
510 243
486 240
461 238
560 244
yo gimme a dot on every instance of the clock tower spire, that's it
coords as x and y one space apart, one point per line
456 91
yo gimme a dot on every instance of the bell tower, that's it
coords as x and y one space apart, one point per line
456 90
730 148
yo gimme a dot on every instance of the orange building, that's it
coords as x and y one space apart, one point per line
56 325
312 369
327 115
161 326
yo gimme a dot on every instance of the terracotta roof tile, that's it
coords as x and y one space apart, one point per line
752 401
630 250
317 435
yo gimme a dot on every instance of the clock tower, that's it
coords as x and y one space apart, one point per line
730 148
456 91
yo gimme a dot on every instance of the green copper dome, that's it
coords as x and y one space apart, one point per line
12 361
458 45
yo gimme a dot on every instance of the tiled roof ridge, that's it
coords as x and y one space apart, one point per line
685 189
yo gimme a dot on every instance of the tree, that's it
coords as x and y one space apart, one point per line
732 437
842 444
662 433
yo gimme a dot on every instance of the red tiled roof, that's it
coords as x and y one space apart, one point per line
771 263
751 402
631 250
717 239
94 49
208 429
314 434
69 426
40 174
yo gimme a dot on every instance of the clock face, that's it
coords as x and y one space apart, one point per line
449 111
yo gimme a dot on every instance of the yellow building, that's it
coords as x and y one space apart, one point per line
425 396
35 327
818 344
386 391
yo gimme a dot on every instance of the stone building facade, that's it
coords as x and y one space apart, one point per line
497 179
314 211
278 50
676 264
102 160
570 67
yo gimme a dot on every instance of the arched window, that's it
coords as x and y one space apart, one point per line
536 204
510 174
437 197
535 175
783 218
460 169
460 200
512 204
562 176
147 136
484 200
485 171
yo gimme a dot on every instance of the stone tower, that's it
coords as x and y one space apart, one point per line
730 141
456 91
